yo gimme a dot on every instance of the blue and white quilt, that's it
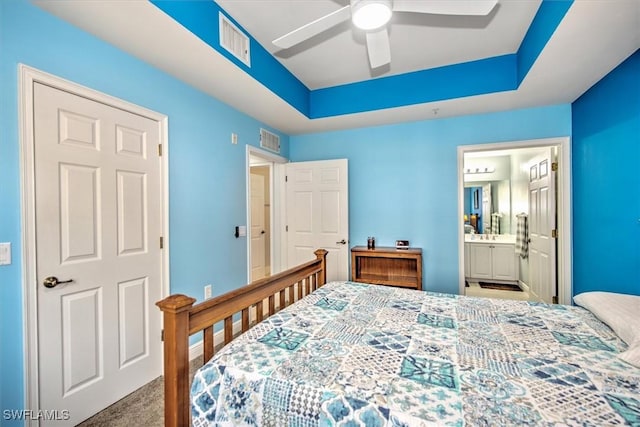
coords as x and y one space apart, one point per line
352 354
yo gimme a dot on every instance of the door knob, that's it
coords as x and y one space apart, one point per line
52 282
262 232
341 242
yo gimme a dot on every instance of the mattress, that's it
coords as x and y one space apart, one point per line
353 354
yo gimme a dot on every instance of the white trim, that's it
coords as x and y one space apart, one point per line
280 217
271 160
565 225
565 262
197 349
522 285
27 76
266 155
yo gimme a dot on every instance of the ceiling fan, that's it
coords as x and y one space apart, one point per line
372 17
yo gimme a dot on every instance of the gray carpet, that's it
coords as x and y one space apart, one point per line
145 406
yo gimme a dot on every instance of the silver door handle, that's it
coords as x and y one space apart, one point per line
52 282
341 242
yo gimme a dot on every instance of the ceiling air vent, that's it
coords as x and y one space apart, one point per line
269 140
234 40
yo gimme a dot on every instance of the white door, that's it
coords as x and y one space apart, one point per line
98 220
542 222
318 214
258 227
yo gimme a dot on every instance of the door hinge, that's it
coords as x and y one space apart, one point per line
286 178
554 166
160 150
554 233
162 335
161 242
286 228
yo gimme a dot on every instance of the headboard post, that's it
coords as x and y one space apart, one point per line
321 254
176 358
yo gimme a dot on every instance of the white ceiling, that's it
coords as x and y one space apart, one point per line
594 37
418 41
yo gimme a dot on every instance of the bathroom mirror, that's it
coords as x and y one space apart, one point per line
483 199
508 173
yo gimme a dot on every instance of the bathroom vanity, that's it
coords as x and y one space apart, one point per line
491 260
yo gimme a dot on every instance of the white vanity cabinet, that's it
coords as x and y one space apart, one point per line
491 261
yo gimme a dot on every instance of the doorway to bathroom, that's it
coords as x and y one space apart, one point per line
514 205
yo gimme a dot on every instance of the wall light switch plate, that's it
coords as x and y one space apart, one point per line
5 253
242 230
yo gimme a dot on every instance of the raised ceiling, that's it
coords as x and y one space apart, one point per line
592 38
417 41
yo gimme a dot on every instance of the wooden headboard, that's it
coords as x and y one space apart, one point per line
182 319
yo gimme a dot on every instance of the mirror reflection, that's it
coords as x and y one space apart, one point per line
487 193
487 207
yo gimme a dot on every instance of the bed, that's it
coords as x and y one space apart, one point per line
359 354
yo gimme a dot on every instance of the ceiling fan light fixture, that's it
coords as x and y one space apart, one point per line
371 14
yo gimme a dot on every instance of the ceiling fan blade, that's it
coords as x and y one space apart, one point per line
446 7
378 47
313 28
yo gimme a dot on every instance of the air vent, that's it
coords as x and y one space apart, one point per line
269 140
234 40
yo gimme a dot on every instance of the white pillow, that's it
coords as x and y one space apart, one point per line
621 313
632 355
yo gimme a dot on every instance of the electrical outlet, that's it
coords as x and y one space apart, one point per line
207 291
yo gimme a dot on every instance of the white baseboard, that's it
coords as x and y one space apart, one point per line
196 350
523 286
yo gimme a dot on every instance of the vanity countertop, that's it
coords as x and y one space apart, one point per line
482 238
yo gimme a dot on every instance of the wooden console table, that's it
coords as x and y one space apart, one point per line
387 266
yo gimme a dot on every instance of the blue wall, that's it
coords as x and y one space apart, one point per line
606 183
403 181
206 172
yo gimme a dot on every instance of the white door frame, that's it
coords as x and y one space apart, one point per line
27 77
564 201
277 211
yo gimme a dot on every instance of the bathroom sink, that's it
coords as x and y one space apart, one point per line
484 238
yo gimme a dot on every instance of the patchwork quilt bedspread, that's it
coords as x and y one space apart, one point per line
353 354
